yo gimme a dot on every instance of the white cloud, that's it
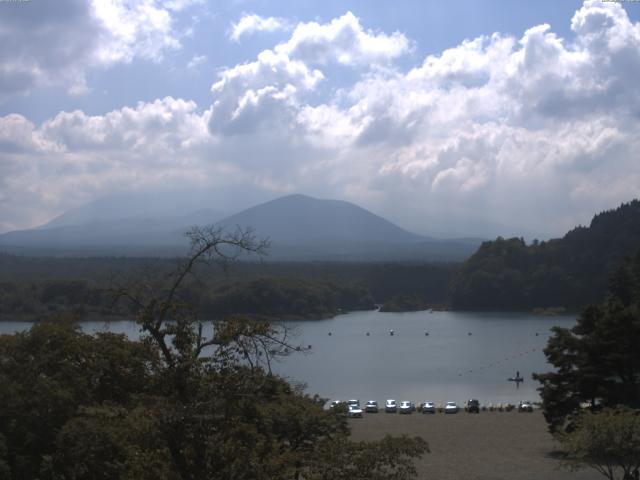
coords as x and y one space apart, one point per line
343 40
55 43
538 132
196 61
74 157
261 93
252 23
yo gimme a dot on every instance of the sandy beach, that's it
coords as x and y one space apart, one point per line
484 446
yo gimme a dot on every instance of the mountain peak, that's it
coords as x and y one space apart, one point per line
298 218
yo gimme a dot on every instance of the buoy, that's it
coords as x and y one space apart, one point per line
309 346
391 332
367 334
469 333
329 334
426 333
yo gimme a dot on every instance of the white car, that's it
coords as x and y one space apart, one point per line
390 406
428 407
371 406
406 407
451 407
354 411
525 407
353 402
335 404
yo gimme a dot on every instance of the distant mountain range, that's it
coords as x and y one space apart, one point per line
299 227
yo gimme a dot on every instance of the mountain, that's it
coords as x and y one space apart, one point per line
157 205
299 227
122 236
305 228
572 271
302 220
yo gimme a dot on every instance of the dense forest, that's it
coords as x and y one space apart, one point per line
570 272
31 288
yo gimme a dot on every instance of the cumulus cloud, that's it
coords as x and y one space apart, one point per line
55 43
252 23
73 157
272 87
536 132
343 40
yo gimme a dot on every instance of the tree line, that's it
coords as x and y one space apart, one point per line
293 290
570 272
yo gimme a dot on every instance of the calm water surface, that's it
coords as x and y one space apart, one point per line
465 354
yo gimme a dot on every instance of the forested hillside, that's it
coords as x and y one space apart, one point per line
37 287
508 274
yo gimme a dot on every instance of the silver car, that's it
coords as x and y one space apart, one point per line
428 407
451 407
371 406
406 407
354 411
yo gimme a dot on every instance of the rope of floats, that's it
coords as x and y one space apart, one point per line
481 367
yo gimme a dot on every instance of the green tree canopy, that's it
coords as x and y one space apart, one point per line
607 441
598 360
177 404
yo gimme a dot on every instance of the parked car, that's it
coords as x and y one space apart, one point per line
428 407
525 407
371 406
353 402
354 411
335 404
406 407
451 407
390 406
473 406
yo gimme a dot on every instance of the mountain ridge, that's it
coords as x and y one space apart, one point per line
571 271
295 218
300 228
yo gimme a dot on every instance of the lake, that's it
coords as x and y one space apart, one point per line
465 354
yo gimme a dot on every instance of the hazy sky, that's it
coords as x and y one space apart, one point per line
438 115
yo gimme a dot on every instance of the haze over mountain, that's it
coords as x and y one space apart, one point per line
299 227
299 219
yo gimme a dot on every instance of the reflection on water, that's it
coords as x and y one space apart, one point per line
439 356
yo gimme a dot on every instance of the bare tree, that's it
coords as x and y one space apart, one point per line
174 325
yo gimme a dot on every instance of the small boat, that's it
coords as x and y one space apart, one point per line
391 332
516 379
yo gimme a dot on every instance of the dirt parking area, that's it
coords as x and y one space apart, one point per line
484 446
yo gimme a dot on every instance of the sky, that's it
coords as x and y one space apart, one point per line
448 118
